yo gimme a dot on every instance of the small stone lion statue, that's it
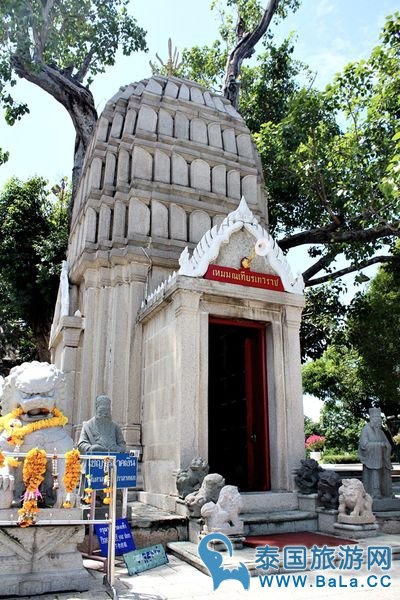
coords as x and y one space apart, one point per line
189 480
31 393
354 502
328 489
209 491
224 515
307 476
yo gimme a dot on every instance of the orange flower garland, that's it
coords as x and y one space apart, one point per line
33 475
17 431
71 475
2 460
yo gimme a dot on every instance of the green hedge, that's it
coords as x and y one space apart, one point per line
340 458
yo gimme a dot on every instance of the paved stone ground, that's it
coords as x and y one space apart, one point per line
179 581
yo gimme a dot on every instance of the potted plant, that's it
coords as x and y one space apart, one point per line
314 444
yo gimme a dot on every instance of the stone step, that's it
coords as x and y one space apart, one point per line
151 525
279 522
269 501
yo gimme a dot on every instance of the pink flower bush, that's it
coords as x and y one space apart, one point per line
315 442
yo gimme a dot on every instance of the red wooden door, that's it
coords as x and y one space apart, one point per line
237 404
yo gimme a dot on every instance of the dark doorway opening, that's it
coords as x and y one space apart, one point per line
238 446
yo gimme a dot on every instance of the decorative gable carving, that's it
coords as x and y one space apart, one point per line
208 248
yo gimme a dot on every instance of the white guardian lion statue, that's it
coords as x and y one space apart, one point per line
30 419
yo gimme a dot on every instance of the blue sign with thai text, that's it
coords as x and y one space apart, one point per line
123 537
126 471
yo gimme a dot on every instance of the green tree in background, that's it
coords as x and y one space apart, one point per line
60 45
374 330
33 239
331 158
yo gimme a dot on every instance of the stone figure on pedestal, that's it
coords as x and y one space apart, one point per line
374 451
100 433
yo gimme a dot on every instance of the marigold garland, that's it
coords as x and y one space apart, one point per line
33 474
17 432
2 460
71 475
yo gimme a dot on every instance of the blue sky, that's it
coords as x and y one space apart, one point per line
330 33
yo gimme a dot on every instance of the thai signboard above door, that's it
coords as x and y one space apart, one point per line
244 277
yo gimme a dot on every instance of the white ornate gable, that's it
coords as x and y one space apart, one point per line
208 249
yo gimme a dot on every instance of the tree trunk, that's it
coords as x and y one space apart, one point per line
42 338
76 99
244 49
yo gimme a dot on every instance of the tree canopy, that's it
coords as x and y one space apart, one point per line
361 368
59 45
33 239
331 158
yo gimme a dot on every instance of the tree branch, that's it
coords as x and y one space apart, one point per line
351 269
81 74
244 49
76 98
326 235
322 263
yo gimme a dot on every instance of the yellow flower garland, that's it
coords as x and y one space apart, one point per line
72 474
17 432
33 475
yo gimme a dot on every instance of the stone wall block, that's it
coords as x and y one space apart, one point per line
198 131
218 179
219 105
180 170
139 89
130 121
138 218
234 184
165 122
119 220
95 173
228 136
159 219
90 225
244 145
196 95
199 223
104 223
249 188
171 90
208 99
200 175
102 130
181 126
142 164
217 220
147 119
123 167
183 92
214 135
154 87
116 128
162 167
109 172
177 223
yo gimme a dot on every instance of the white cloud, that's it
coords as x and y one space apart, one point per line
325 7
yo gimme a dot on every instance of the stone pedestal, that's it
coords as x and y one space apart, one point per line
327 518
356 532
41 558
385 504
308 502
236 541
195 528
